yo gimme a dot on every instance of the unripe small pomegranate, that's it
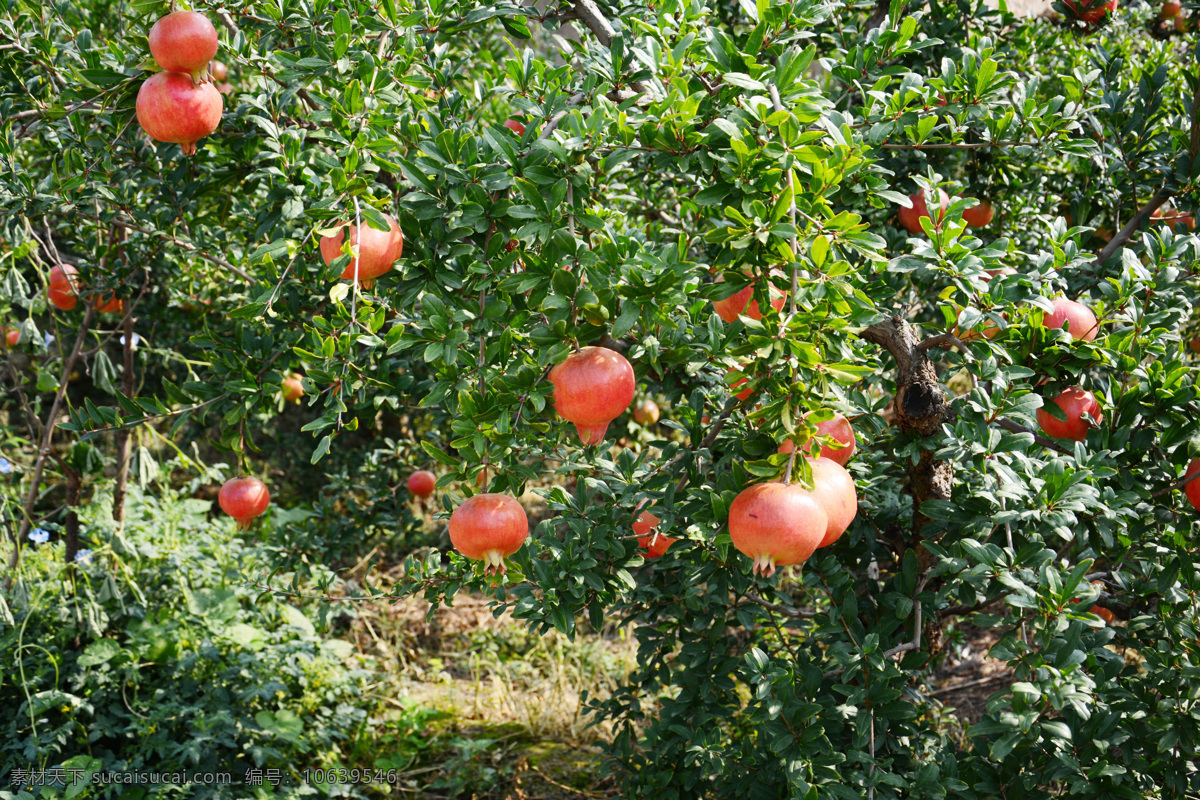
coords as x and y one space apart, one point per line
646 413
1081 322
378 253
776 525
489 528
184 41
62 293
592 388
422 482
655 545
910 218
170 108
244 499
1191 490
217 70
979 216
292 388
1073 402
516 126
841 430
743 302
834 491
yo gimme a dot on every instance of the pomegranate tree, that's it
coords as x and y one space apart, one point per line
170 108
62 293
422 482
653 543
244 499
184 42
592 387
841 430
489 528
833 489
910 218
776 525
1074 402
1081 322
376 255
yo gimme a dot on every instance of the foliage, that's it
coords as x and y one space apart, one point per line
678 142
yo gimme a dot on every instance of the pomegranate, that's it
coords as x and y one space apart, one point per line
225 88
109 304
1192 489
745 393
244 499
841 430
421 482
11 336
833 489
516 126
1101 612
172 109
1194 344
1170 9
1096 12
489 528
979 216
741 302
1181 25
655 545
910 218
1073 402
292 388
1172 217
592 388
218 70
776 525
378 253
1081 322
62 291
646 413
184 41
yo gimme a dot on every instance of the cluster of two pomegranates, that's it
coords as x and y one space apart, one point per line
63 291
180 104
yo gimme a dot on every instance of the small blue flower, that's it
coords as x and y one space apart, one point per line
39 536
47 340
5 465
83 556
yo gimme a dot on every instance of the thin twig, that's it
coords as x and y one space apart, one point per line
1016 427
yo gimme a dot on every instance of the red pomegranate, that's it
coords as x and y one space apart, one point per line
745 393
841 430
1081 322
172 109
422 482
11 336
378 253
1101 612
1170 9
218 70
776 525
63 291
244 499
1192 490
184 41
293 388
646 413
225 88
833 489
741 302
1094 14
109 304
979 216
516 126
1172 217
910 218
592 388
489 528
655 545
1073 402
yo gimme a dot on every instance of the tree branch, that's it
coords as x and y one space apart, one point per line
1122 236
1016 427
